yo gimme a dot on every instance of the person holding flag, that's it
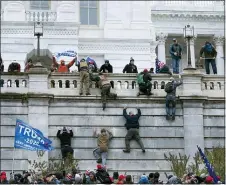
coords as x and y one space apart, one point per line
161 67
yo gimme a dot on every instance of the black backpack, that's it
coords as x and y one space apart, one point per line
103 177
169 87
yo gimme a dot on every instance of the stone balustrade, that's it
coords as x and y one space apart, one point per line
41 16
122 84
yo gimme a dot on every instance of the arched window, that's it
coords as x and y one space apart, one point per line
89 12
40 5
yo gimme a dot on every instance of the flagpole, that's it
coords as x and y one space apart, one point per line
13 160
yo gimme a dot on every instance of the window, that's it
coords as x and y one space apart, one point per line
88 12
40 5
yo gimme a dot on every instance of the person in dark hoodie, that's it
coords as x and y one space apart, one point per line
107 67
132 125
210 54
65 136
102 175
14 67
1 65
130 68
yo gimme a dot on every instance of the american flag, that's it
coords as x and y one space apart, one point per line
158 65
208 166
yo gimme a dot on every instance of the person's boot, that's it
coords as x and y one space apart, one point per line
104 106
143 150
88 94
99 160
173 117
126 151
80 94
115 96
167 117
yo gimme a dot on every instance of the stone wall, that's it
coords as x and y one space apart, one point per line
199 119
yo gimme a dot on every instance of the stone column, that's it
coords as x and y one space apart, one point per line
193 125
38 102
192 51
161 38
219 41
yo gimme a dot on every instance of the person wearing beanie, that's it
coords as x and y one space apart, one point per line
121 179
144 81
132 126
115 177
170 89
107 67
143 180
130 68
62 67
105 86
84 76
103 139
128 179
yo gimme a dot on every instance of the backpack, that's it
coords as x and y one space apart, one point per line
140 79
169 87
208 48
103 177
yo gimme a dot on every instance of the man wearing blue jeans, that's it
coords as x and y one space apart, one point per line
176 52
210 54
103 139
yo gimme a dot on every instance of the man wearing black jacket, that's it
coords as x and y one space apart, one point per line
107 67
131 67
132 125
65 136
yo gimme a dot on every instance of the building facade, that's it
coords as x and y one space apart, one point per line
113 30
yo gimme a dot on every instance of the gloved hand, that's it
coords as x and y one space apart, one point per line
175 53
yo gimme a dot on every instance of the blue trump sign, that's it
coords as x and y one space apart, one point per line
29 138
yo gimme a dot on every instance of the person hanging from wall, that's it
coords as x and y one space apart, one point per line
65 136
130 68
132 125
1 65
105 86
176 53
170 89
84 76
29 65
144 81
210 54
62 67
103 139
161 67
14 67
107 67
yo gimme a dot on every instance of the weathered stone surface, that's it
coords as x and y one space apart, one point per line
18 164
214 142
214 132
214 121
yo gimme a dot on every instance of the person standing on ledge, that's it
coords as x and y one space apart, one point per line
62 67
210 54
176 52
132 125
107 67
130 68
103 139
170 89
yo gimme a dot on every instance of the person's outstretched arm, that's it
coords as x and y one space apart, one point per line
125 113
72 62
55 63
139 112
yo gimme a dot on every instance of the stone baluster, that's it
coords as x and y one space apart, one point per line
219 41
161 38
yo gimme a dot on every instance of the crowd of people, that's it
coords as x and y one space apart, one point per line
101 176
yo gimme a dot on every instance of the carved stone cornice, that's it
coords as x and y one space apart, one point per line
161 37
187 16
219 40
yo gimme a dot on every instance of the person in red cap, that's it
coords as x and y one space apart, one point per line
102 175
209 180
144 81
3 179
121 179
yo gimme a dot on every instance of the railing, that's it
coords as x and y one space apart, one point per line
122 84
41 16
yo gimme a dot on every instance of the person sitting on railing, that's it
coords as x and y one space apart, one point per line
29 65
170 89
107 67
62 67
144 81
105 85
130 68
210 54
65 136
14 67
1 65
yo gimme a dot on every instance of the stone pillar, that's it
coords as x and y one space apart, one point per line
219 41
38 102
193 126
161 38
192 51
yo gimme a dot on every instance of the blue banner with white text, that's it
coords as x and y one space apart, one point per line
29 138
